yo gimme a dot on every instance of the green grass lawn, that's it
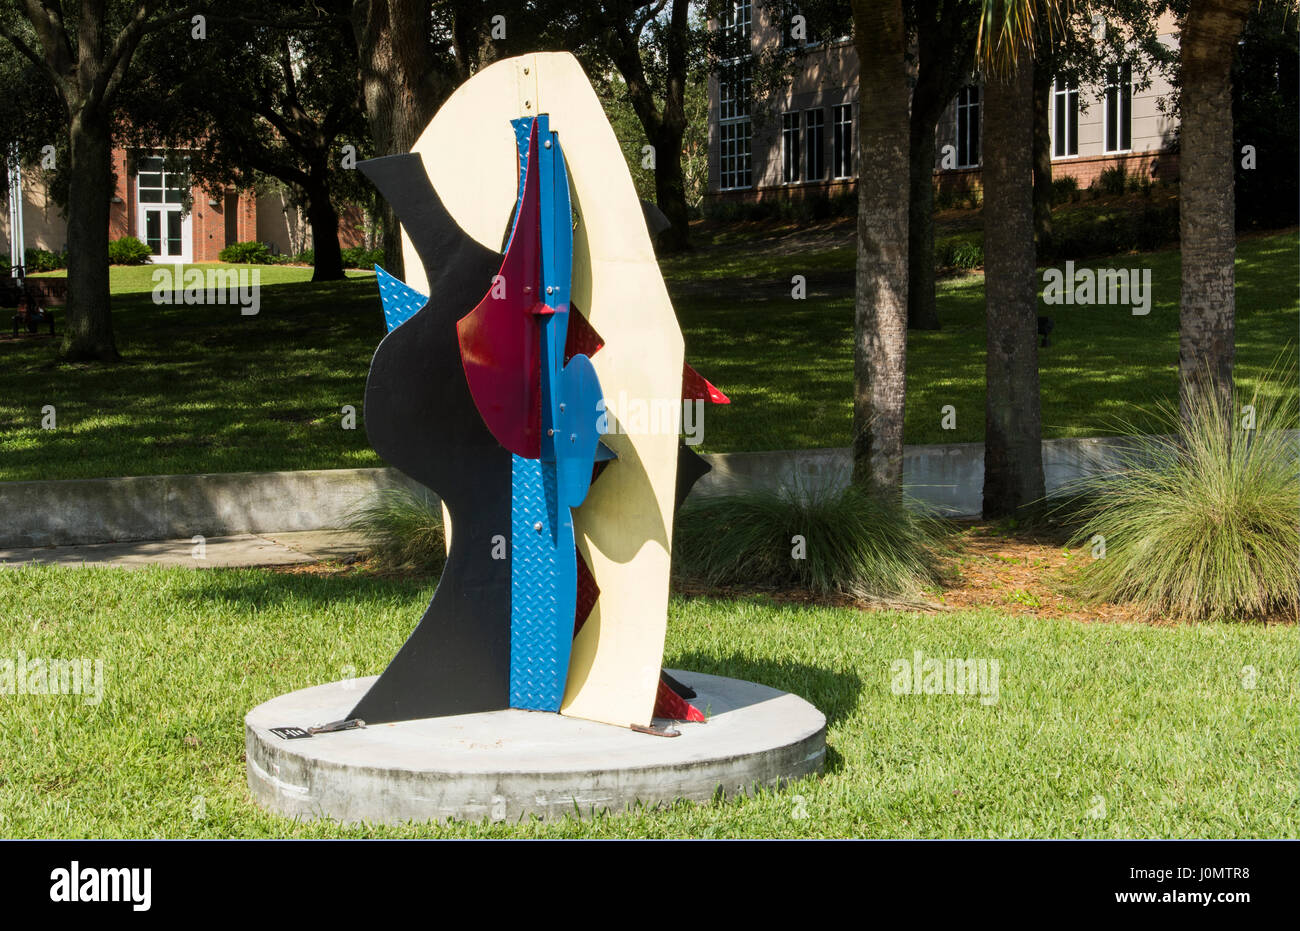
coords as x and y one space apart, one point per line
208 390
1098 730
788 365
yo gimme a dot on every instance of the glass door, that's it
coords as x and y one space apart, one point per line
164 224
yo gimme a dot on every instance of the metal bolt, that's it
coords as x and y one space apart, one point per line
561 408
573 437
525 70
548 143
549 289
538 526
550 433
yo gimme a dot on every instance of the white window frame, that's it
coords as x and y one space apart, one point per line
814 130
791 146
1067 92
843 149
962 106
1118 94
167 208
735 126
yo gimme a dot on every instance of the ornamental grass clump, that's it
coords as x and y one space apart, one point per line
403 528
1203 524
827 542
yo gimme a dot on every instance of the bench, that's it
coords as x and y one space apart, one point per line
32 298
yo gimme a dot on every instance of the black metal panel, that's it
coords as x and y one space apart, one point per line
421 419
691 467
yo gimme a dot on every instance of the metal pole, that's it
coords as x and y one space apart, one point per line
16 250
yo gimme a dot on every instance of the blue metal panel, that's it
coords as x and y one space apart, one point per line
401 301
544 562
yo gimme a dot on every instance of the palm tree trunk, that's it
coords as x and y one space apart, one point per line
880 313
1042 163
1013 459
89 331
922 311
1206 205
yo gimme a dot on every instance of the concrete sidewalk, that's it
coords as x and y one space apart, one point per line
240 550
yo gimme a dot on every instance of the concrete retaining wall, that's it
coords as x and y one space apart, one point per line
173 507
948 478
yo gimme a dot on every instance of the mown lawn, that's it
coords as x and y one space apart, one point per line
788 365
1098 730
208 390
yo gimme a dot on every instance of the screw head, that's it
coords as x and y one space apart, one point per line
548 143
538 526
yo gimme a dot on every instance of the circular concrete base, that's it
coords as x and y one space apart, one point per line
507 765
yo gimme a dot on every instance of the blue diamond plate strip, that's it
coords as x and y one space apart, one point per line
401 301
542 572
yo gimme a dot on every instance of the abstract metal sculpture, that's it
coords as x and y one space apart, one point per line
505 385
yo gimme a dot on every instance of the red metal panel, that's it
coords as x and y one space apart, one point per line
668 704
588 592
500 344
695 387
582 338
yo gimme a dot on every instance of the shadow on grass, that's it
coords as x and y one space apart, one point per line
835 693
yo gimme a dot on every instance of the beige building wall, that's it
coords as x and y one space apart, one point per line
44 226
829 76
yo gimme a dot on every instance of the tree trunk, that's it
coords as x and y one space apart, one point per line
1013 459
922 311
670 189
1042 163
400 94
880 311
1206 344
88 334
324 220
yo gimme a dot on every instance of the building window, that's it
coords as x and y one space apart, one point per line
789 147
805 38
1065 118
1119 103
735 22
734 128
735 78
842 141
968 126
162 214
815 165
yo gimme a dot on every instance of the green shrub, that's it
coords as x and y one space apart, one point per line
305 257
128 251
246 253
854 543
4 267
1202 526
1113 180
1065 189
1084 234
403 528
360 257
959 252
41 260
